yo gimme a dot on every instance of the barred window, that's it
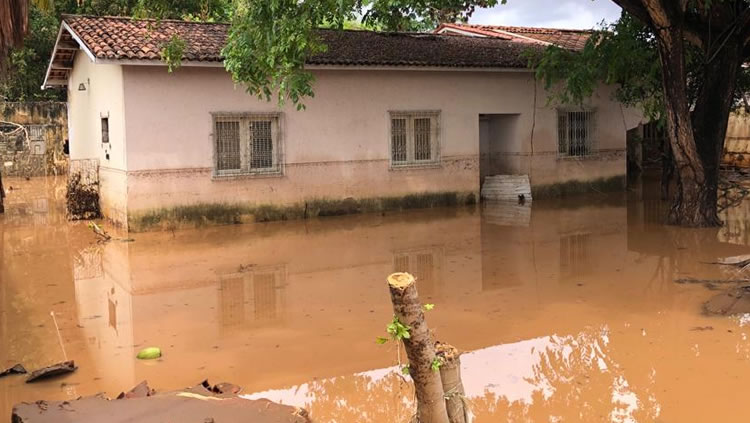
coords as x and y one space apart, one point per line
36 132
575 130
414 138
246 144
105 130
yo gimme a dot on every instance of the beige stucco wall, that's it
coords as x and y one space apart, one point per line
339 146
103 97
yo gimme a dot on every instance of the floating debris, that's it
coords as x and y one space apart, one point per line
199 404
50 371
17 369
733 301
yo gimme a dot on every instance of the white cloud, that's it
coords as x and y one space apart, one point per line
578 14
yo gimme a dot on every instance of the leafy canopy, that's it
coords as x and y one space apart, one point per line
624 54
269 40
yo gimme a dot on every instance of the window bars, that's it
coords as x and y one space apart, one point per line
105 130
414 138
575 131
36 132
246 144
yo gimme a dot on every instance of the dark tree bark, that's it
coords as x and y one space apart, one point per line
696 142
712 109
13 25
692 203
420 349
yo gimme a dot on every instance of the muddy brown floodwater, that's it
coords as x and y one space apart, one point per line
568 310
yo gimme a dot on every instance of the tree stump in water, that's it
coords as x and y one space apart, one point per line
420 349
453 387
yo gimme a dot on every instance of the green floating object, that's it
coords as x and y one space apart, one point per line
149 353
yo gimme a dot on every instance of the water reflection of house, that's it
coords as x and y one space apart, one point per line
301 282
425 264
255 295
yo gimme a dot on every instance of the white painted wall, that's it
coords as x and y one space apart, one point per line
103 97
338 147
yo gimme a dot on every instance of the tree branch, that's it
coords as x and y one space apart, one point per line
637 9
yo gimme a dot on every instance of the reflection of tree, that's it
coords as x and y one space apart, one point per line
575 380
362 398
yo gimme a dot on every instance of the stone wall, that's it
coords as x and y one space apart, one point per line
37 150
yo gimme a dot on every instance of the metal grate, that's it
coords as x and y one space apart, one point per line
398 140
575 133
422 135
261 139
247 144
228 155
414 138
36 132
105 130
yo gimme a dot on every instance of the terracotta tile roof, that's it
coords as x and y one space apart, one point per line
573 39
126 38
122 38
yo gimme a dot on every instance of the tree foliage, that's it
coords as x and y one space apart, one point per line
269 40
26 65
624 54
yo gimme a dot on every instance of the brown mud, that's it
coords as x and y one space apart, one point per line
567 312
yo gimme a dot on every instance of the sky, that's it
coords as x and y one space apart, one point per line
574 14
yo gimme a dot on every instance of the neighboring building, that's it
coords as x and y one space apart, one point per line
32 138
398 120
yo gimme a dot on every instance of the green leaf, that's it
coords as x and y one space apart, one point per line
405 370
380 340
436 363
428 307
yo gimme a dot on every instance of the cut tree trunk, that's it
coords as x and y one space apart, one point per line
453 387
420 349
692 202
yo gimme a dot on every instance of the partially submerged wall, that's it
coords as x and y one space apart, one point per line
338 148
38 150
95 93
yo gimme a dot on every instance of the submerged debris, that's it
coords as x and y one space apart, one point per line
732 301
141 390
710 281
199 404
53 370
82 198
17 369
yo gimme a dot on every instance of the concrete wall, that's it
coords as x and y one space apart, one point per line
102 97
35 157
337 148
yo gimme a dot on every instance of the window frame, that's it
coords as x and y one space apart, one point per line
245 144
435 134
591 145
104 139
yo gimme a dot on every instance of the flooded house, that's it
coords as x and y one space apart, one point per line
398 120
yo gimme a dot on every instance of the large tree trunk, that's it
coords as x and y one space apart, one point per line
693 202
420 349
712 109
